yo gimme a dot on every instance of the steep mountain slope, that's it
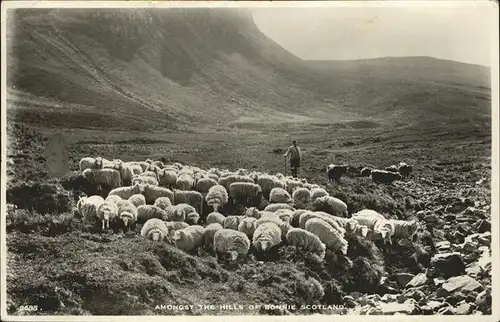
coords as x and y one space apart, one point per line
165 69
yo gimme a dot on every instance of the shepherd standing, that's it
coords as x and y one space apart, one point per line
294 152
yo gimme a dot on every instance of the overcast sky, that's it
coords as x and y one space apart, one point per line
456 33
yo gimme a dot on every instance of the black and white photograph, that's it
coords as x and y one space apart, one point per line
318 159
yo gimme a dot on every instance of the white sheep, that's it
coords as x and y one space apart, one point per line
108 210
144 179
126 172
330 219
232 222
208 236
152 193
306 241
294 221
146 212
284 227
277 206
113 198
301 198
404 229
163 202
103 177
127 192
351 226
186 208
253 212
87 207
175 213
325 217
266 236
245 193
87 163
155 169
230 241
318 193
127 212
379 226
215 217
227 181
192 218
135 168
217 197
204 184
167 178
190 197
247 226
155 229
331 205
149 173
328 235
137 199
268 217
268 183
158 164
284 214
184 181
189 238
173 226
279 195
293 184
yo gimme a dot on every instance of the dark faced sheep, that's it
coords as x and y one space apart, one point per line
335 172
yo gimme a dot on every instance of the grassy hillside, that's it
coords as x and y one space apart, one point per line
206 88
167 69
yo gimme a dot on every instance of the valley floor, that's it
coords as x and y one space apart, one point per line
55 263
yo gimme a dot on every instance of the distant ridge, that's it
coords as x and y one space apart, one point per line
175 68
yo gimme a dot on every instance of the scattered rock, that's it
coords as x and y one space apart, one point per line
432 218
469 247
426 310
438 281
484 226
448 264
462 309
443 246
464 228
417 295
458 237
463 282
392 308
402 278
447 310
436 305
418 280
483 301
389 297
455 298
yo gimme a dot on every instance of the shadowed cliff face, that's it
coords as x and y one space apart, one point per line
161 68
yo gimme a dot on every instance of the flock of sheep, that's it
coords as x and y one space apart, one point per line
388 175
169 202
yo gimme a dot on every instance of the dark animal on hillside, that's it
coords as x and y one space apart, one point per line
335 172
355 171
387 177
392 168
365 172
404 169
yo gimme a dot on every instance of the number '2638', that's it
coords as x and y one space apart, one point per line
28 308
